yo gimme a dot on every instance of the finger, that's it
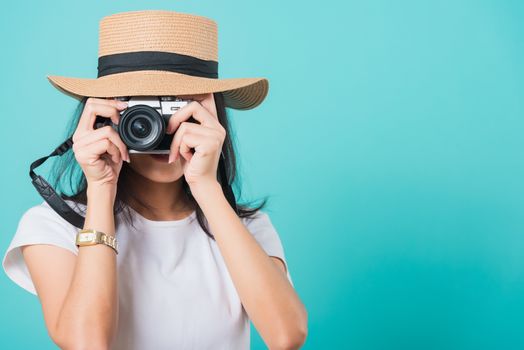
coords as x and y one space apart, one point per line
189 141
103 108
193 109
201 146
114 152
95 150
101 133
105 111
207 100
205 132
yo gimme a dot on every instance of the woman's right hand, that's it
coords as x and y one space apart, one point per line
100 152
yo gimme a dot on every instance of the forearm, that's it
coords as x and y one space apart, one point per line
89 313
269 299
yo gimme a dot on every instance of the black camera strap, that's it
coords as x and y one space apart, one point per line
60 206
49 194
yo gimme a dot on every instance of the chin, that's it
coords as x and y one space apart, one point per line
154 170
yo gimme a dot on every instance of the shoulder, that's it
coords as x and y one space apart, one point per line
259 218
265 233
39 224
261 226
41 216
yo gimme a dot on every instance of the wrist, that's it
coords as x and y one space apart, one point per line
101 192
205 188
100 206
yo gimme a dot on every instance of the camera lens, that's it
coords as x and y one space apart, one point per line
141 128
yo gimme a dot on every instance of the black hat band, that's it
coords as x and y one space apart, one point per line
157 60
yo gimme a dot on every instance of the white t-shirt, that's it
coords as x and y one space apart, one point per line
175 291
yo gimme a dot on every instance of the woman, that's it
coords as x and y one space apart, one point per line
187 272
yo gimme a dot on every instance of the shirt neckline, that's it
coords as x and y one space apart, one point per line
163 223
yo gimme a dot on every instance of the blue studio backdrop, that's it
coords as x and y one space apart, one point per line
390 146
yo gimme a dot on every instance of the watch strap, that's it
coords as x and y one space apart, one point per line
90 237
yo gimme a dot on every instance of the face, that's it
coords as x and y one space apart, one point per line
158 170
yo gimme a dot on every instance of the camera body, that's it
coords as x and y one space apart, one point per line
143 123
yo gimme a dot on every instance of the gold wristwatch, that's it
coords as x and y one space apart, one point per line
92 237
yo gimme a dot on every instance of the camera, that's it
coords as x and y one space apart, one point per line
143 123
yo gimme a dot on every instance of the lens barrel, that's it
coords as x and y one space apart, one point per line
141 128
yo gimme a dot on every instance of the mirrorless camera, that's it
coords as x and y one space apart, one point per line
143 123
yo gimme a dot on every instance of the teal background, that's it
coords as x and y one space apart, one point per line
390 145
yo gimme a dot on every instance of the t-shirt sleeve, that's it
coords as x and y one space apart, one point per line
38 225
266 235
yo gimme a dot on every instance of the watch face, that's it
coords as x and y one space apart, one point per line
87 237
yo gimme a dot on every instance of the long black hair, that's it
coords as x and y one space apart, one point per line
69 180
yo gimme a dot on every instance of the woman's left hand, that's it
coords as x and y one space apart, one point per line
206 138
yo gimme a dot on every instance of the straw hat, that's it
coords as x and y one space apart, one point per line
161 53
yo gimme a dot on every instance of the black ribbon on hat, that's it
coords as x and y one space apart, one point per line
157 60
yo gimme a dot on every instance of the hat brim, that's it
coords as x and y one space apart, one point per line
239 93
